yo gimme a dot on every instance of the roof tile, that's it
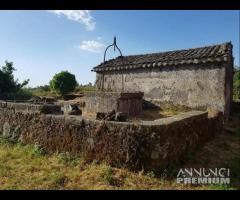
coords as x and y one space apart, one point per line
213 53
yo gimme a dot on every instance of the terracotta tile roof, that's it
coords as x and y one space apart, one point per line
207 54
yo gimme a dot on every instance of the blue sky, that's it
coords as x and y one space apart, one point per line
42 43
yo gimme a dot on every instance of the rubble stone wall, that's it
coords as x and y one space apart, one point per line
149 145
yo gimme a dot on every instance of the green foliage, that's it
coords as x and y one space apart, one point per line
85 88
21 94
108 176
4 141
220 187
63 83
37 150
236 83
234 165
41 91
7 82
151 174
24 167
67 159
44 88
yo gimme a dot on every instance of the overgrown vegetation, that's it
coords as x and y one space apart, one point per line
45 90
10 88
63 83
85 88
41 91
236 83
29 167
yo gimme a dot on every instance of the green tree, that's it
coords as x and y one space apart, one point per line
236 83
63 83
7 82
45 88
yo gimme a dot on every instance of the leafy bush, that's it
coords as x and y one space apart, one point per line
41 91
38 150
236 84
85 88
63 83
7 82
21 94
108 176
4 141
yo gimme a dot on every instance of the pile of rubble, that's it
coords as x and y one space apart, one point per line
50 109
112 116
74 110
42 100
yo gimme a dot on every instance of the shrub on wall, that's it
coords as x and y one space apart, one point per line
63 83
22 94
236 84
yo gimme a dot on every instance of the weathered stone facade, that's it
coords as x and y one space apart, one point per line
130 103
187 86
196 78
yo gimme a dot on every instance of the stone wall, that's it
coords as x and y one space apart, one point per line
149 145
130 103
24 107
192 86
33 108
101 101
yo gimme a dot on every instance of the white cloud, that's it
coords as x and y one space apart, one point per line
81 16
92 46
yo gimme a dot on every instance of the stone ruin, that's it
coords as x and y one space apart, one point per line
121 84
196 78
41 100
110 137
114 106
149 145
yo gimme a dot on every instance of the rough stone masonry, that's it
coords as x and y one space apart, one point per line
149 145
196 78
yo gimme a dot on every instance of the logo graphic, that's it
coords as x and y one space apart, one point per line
204 176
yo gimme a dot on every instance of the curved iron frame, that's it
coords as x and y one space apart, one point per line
104 60
115 46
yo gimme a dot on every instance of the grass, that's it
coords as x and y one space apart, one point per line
21 94
24 167
154 114
29 167
85 88
44 91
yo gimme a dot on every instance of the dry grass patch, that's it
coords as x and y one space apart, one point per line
28 167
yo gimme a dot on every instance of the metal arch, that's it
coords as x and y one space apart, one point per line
114 45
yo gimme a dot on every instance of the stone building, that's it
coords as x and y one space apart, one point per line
196 77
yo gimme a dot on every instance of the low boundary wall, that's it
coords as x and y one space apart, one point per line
149 145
